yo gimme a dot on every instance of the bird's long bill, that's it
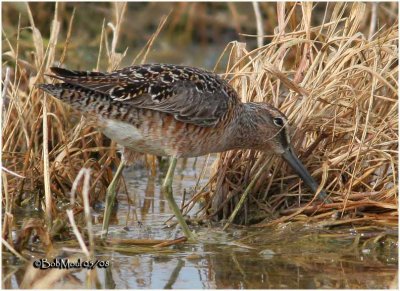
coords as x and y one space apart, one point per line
291 158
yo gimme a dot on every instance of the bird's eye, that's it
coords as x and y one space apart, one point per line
278 121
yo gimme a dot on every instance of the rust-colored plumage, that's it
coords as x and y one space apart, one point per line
171 110
176 111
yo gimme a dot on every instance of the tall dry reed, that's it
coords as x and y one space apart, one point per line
335 80
338 87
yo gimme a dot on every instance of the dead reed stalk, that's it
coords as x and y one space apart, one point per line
339 91
337 86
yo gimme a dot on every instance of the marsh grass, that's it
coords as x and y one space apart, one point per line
336 81
338 88
51 151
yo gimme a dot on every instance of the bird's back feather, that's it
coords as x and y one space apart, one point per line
191 95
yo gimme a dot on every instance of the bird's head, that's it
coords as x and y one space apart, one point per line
273 135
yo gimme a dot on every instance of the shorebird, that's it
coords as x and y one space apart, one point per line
175 111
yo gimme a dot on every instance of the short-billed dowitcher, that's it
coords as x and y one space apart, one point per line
176 111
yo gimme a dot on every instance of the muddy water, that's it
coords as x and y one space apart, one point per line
288 256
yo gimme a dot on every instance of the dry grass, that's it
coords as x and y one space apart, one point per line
337 85
339 90
48 152
336 81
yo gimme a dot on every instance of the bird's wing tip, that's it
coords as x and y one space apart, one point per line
62 73
54 76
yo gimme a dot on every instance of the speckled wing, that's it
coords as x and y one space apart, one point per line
191 95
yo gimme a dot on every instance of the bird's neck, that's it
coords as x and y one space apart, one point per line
243 133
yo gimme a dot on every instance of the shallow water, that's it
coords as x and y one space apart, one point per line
288 256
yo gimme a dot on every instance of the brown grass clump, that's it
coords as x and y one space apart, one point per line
44 158
336 81
47 152
338 87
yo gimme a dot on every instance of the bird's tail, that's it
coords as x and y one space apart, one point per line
80 98
71 76
93 80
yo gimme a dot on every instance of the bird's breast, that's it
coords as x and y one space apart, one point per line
161 134
133 137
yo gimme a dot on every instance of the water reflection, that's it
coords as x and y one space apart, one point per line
148 201
288 257
209 265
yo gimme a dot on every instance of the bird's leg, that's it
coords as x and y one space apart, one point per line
110 198
167 191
